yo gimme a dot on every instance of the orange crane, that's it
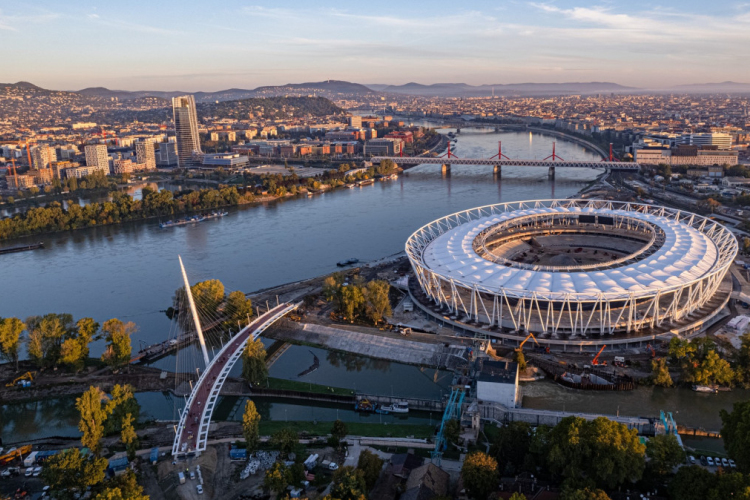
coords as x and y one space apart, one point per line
15 172
529 336
595 361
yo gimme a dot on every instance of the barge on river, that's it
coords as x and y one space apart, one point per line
22 248
192 220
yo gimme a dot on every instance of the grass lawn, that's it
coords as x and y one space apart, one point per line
355 428
294 385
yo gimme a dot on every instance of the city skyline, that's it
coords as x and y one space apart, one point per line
247 45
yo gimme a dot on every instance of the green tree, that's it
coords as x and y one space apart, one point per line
332 289
46 336
712 370
93 416
208 295
664 453
285 440
122 487
370 464
605 451
518 496
75 348
378 303
70 472
742 361
352 300
691 483
251 426
452 431
583 494
735 431
511 446
339 430
121 403
519 358
128 437
118 350
480 475
254 369
239 309
10 338
660 373
276 478
348 484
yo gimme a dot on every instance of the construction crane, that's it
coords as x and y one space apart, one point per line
596 361
529 336
26 376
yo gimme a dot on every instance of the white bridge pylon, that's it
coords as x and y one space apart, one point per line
191 434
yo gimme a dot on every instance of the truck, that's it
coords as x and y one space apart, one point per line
619 361
311 461
30 459
181 476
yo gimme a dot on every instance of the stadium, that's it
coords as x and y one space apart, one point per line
581 272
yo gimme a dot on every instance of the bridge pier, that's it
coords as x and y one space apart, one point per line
551 173
497 170
446 169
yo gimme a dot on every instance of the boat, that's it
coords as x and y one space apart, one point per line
347 262
705 388
383 410
351 186
22 248
398 407
364 405
192 220
366 182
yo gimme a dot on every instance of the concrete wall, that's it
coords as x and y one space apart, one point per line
505 394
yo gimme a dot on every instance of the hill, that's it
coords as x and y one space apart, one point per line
728 87
270 107
465 90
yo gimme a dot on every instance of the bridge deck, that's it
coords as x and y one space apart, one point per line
413 160
192 431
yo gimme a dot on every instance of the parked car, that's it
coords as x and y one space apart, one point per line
199 488
710 461
192 475
725 462
704 462
691 458
38 471
29 472
732 464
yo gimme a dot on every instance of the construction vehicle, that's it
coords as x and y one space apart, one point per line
14 453
529 336
595 361
649 348
26 377
619 361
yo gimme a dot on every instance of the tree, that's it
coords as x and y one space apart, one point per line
665 453
480 475
511 446
712 370
378 301
238 309
285 440
691 483
660 373
254 369
276 478
352 300
70 472
118 349
251 426
518 496
93 415
519 358
46 336
122 487
584 494
370 464
128 437
10 338
339 430
452 431
348 484
605 451
735 431
121 403
75 348
209 295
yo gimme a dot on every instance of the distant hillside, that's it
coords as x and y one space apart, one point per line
335 86
728 87
270 107
465 90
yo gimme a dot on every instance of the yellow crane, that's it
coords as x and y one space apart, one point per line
26 376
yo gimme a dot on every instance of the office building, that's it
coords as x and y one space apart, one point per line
145 155
355 121
186 130
97 157
167 154
384 147
722 141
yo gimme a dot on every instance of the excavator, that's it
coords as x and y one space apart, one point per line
531 336
595 361
26 376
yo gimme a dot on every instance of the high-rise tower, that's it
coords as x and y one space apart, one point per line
186 129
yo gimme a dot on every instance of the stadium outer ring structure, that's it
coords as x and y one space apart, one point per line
637 297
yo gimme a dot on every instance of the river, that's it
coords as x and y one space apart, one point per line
131 272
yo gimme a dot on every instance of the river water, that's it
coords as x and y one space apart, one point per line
131 272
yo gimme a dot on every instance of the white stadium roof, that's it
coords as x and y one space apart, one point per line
687 255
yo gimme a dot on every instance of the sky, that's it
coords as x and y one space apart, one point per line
194 45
